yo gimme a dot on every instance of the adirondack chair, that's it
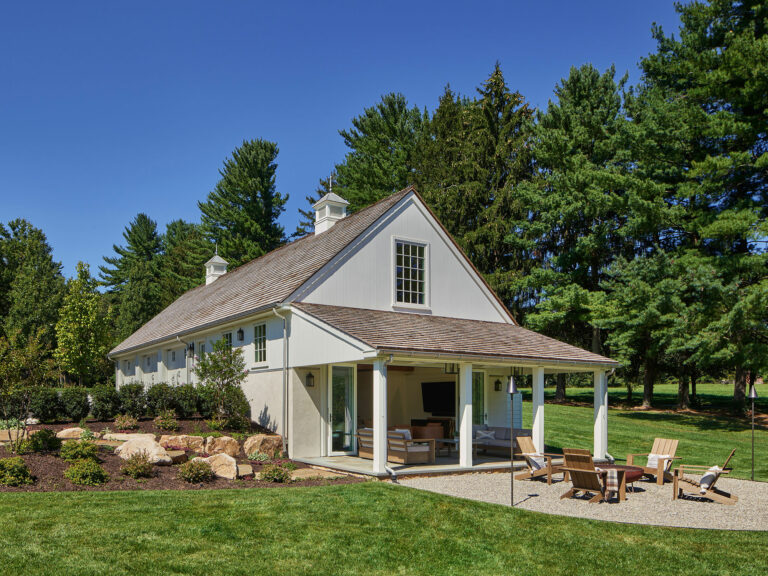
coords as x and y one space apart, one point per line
663 468
533 461
584 477
682 484
584 451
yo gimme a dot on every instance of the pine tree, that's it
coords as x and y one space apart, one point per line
306 223
139 300
381 145
185 251
143 247
83 330
240 214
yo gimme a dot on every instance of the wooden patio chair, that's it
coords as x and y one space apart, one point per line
584 477
659 467
682 484
538 465
365 443
404 450
582 451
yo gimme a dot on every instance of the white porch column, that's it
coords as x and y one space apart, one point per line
601 414
379 416
465 415
538 408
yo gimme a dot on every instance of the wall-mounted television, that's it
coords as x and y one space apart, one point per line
439 398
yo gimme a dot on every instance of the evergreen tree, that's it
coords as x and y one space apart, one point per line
381 145
143 247
83 330
140 299
306 223
34 285
185 251
240 214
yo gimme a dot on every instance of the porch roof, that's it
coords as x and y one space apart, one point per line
394 332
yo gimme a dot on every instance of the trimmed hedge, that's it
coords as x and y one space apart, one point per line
45 404
160 398
105 402
74 403
133 399
185 397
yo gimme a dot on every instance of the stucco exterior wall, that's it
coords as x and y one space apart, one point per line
306 433
264 391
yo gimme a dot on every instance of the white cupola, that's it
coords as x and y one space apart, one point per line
214 268
328 210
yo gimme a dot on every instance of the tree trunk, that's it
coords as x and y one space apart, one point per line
560 389
739 389
629 392
694 399
683 399
596 346
648 380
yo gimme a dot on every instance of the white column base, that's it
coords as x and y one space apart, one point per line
379 417
538 409
601 414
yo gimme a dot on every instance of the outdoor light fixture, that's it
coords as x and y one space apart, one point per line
309 381
753 396
497 385
511 390
240 334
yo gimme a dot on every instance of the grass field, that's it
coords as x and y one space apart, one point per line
370 528
705 437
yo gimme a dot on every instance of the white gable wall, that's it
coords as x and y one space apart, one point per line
363 276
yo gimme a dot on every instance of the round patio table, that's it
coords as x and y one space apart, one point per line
631 473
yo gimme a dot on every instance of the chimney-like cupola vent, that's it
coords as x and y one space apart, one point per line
214 268
328 210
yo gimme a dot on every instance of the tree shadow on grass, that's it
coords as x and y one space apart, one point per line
704 423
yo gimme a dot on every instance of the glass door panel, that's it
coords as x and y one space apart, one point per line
478 398
342 409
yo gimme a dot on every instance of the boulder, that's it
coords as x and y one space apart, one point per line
223 465
222 445
195 443
125 437
156 453
270 444
177 456
313 474
70 433
32 421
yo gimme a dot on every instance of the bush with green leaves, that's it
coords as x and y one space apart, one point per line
86 473
10 424
105 402
138 466
221 374
206 403
44 440
74 403
166 421
236 409
126 422
160 398
275 473
73 450
133 399
259 457
45 404
196 471
185 400
14 472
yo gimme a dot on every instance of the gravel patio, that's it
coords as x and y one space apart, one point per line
648 504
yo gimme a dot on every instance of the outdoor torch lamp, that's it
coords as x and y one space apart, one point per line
753 396
512 390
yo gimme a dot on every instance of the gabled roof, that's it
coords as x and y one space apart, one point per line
259 284
421 333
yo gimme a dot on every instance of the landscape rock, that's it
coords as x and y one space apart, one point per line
195 443
177 456
32 421
156 453
244 470
70 433
125 437
311 473
223 465
222 445
269 444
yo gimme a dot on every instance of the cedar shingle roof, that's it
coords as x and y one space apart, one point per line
397 331
260 283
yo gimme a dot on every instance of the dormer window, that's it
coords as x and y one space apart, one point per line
410 273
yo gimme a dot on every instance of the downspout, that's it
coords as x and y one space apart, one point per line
285 379
389 470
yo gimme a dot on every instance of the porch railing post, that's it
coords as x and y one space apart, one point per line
538 408
601 414
465 415
379 416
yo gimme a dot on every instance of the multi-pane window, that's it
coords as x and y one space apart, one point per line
409 273
173 355
228 338
260 342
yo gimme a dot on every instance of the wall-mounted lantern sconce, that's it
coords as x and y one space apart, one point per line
309 380
240 335
497 385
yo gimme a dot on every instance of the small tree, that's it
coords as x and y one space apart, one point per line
222 372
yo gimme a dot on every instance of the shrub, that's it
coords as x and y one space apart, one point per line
166 420
44 441
74 403
10 424
72 450
86 473
235 409
206 403
138 466
133 399
126 422
105 402
14 472
87 434
160 398
196 471
275 473
45 404
215 424
259 457
185 400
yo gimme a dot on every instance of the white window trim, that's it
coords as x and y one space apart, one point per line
427 274
265 363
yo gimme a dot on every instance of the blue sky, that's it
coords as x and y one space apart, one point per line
109 109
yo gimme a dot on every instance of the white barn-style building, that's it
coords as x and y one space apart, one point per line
375 320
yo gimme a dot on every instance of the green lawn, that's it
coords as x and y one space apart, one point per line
370 528
705 438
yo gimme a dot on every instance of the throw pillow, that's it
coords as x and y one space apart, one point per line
486 434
